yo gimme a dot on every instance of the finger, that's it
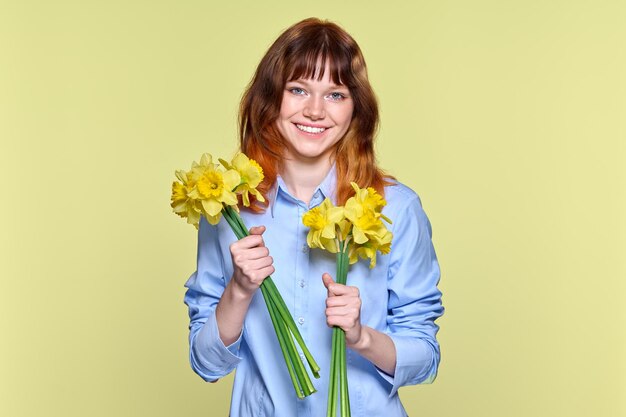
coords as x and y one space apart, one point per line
266 272
261 263
342 300
257 276
340 321
242 258
336 289
247 242
342 311
327 280
257 230
252 254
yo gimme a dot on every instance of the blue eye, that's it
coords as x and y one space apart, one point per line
336 96
297 91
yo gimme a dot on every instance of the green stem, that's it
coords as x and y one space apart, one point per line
233 218
283 347
283 322
338 384
331 409
345 403
240 232
291 324
238 219
303 377
295 359
345 397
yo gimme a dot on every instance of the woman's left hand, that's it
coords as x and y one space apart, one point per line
343 309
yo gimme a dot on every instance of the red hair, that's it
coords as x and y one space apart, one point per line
303 51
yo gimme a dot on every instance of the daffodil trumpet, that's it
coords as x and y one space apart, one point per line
355 230
211 191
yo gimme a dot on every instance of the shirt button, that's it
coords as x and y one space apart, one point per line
305 248
302 357
302 283
301 320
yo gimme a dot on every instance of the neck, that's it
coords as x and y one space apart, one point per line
303 177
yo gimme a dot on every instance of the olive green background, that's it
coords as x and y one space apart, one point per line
507 117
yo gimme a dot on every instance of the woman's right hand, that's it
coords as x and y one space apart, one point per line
252 262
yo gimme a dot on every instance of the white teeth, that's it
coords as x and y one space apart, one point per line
310 129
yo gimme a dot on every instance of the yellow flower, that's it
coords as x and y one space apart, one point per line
370 200
182 203
359 224
251 175
323 222
380 242
213 188
363 211
369 233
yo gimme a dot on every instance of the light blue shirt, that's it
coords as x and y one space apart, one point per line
399 297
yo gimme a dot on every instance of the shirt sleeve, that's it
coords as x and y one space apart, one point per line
208 355
414 300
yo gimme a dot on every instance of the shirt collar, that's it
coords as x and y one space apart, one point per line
326 189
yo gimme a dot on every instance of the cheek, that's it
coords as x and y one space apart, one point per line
286 107
347 115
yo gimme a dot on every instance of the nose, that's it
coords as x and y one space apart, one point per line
314 108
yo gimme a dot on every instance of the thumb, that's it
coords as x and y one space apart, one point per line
327 280
257 230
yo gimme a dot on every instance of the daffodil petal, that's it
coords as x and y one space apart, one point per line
225 164
214 219
328 231
212 207
231 179
229 198
206 159
359 236
240 161
258 195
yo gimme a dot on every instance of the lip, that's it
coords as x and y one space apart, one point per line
311 134
311 125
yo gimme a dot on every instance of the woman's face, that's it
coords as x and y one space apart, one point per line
314 116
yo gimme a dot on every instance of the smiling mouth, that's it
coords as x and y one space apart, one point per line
310 129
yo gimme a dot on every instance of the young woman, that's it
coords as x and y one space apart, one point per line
309 117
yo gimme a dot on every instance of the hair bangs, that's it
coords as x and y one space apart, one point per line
311 59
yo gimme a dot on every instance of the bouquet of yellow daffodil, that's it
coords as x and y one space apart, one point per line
353 231
211 190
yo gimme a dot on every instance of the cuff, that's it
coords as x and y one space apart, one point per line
416 363
209 357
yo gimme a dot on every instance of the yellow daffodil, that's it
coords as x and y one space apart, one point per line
352 232
323 222
377 243
369 197
364 225
251 175
210 190
364 212
360 226
213 187
370 200
182 203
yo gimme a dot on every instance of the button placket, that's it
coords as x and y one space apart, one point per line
301 271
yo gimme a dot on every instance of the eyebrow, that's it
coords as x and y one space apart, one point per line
306 83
